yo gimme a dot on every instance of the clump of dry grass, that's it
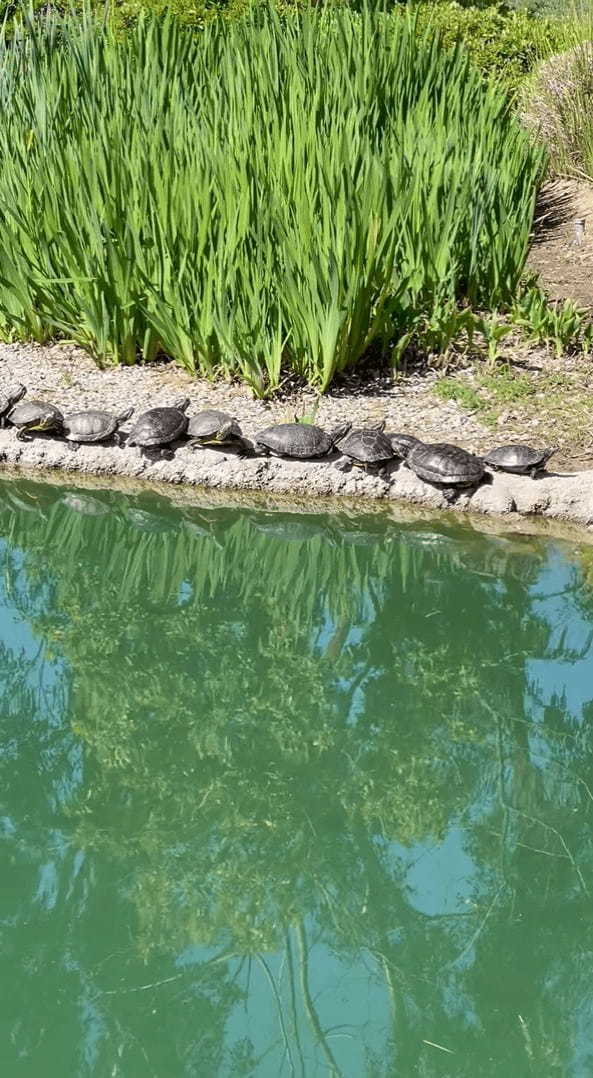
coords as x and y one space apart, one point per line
557 106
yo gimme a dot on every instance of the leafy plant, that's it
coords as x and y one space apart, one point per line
270 195
559 324
493 330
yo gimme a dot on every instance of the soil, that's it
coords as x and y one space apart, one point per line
564 265
529 395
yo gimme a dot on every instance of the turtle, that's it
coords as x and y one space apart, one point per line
35 415
93 426
8 399
301 441
521 459
446 466
215 428
367 447
403 443
159 427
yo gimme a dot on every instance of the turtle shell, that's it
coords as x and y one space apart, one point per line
159 426
517 458
367 446
403 443
33 413
300 440
11 397
209 423
445 464
92 426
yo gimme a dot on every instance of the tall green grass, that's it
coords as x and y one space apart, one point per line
270 195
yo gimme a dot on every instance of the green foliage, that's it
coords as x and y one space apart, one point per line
503 44
561 324
330 190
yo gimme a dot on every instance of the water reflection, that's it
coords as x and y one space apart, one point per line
287 795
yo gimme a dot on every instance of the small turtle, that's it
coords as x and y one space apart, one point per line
521 459
446 466
159 427
35 415
8 399
299 440
216 428
403 443
365 448
93 426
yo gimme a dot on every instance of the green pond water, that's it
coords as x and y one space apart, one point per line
290 795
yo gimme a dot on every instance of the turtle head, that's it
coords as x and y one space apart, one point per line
340 432
182 404
226 433
547 453
125 415
377 426
15 394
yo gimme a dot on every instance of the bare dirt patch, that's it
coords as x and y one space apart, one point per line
564 265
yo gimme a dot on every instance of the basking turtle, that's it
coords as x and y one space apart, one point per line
301 441
366 448
8 399
93 426
521 459
446 466
403 443
216 428
35 415
159 427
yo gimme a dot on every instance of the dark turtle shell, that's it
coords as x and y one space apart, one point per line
445 465
521 459
214 426
159 426
299 440
93 426
367 446
9 398
36 415
403 443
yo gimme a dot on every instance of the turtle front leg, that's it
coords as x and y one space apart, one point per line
451 494
245 449
23 434
343 465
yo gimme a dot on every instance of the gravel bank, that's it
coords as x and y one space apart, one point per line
68 378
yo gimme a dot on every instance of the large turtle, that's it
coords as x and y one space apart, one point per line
213 428
8 399
159 427
520 459
93 426
446 466
365 448
301 441
34 415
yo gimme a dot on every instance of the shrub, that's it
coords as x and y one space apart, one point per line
503 44
258 196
